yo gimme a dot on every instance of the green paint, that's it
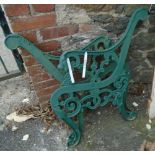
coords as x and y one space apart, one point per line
106 81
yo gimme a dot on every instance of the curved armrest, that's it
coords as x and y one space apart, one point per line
13 41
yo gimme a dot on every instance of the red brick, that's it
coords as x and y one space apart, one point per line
17 9
45 84
40 77
29 61
47 91
49 33
35 70
56 53
43 7
49 46
31 36
63 31
35 22
44 98
59 31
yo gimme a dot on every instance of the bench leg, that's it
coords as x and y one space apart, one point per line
77 128
125 112
75 136
80 120
60 109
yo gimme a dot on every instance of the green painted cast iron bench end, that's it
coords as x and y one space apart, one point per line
90 77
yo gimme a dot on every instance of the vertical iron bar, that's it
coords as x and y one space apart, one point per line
7 31
5 68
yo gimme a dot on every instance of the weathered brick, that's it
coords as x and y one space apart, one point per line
17 9
49 33
56 53
35 22
40 77
63 31
29 60
44 98
43 7
31 36
49 46
45 84
47 91
35 70
59 31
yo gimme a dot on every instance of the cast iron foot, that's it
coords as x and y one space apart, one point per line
127 114
74 139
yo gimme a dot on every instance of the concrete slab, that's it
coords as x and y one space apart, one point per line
12 92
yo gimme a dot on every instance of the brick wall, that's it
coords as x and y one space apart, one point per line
38 24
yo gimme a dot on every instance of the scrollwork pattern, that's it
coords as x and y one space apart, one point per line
72 106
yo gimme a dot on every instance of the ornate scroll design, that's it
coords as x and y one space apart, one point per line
96 69
72 101
98 44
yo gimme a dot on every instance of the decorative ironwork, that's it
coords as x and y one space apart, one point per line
106 78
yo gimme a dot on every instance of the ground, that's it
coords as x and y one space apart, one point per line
104 128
